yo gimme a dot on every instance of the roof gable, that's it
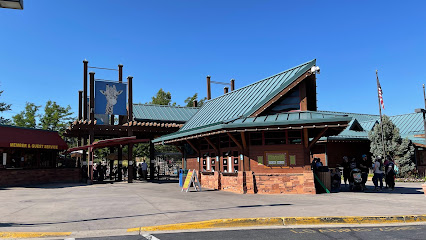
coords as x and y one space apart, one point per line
245 101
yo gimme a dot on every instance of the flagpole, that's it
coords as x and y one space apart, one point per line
380 110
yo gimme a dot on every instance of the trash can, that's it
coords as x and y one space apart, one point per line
182 176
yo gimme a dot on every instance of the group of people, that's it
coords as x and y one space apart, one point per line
102 172
381 169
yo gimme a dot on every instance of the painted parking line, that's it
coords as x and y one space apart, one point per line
150 237
33 234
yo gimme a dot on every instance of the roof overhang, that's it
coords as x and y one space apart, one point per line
109 143
335 127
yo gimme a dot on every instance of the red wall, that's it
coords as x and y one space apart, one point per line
24 177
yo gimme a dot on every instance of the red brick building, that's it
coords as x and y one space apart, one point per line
258 139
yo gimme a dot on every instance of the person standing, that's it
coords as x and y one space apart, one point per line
378 173
346 169
390 174
363 166
144 170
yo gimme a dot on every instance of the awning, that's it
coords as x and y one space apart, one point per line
29 138
109 143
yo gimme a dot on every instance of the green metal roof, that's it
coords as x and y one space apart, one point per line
282 119
245 101
144 112
359 116
408 124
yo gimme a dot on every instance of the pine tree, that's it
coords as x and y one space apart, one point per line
402 151
405 158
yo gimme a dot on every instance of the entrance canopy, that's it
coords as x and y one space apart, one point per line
109 143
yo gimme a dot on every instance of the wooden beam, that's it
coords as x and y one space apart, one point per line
317 137
235 141
243 139
282 93
305 136
193 147
212 144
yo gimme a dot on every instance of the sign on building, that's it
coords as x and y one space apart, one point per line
110 98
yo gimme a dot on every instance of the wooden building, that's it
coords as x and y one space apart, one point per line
258 139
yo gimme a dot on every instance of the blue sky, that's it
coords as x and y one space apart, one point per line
174 45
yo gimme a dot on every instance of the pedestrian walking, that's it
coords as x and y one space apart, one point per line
144 170
378 173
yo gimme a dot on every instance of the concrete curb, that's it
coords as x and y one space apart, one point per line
281 221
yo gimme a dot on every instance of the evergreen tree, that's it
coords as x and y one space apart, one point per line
405 158
402 151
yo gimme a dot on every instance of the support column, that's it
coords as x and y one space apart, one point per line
130 165
120 163
151 160
129 130
84 102
92 124
111 164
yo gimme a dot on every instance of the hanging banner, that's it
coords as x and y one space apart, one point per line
110 98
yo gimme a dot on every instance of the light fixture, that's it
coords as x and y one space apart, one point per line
315 69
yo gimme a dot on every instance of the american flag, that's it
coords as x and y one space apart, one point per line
379 88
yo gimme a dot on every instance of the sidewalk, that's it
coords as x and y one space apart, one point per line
70 208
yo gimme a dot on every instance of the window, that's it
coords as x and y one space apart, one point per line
204 163
289 103
213 161
275 138
235 159
256 138
225 161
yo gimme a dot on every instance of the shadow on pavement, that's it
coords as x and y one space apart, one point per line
139 215
397 190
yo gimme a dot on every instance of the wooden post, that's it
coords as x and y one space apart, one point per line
111 164
130 99
151 160
130 163
80 117
92 123
225 90
120 162
85 63
129 130
195 103
232 85
80 102
120 80
209 93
